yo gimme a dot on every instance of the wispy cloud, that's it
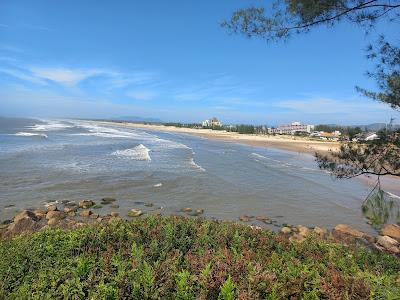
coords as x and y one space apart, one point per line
64 76
22 75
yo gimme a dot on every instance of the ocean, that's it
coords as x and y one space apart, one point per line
45 161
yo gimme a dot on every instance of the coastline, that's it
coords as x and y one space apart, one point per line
295 144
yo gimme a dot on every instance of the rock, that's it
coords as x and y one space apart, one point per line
199 211
107 200
264 219
52 207
187 209
298 238
286 230
94 216
85 213
148 204
114 214
72 214
114 206
391 230
22 225
25 214
135 212
388 243
320 231
55 214
69 209
53 221
244 218
86 203
40 213
303 230
347 230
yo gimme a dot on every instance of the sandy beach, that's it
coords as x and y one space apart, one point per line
297 144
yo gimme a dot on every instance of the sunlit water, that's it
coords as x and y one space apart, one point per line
48 160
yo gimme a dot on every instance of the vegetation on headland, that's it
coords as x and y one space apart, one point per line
181 258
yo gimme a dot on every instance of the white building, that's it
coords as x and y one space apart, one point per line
211 123
292 128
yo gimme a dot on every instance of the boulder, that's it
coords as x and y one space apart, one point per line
40 213
25 214
53 221
303 230
200 211
114 206
135 212
107 200
286 230
388 243
391 230
347 230
298 238
22 225
86 203
52 207
114 214
85 213
55 214
69 209
149 204
187 209
244 218
320 231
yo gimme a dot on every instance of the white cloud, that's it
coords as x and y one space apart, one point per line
22 75
141 95
64 76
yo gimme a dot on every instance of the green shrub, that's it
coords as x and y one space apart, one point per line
184 258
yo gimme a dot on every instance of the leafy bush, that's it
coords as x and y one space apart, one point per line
180 258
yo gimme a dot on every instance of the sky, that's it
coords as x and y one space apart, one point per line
171 60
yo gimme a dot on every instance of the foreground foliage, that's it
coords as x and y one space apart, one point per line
180 258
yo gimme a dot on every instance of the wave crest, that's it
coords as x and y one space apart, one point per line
139 152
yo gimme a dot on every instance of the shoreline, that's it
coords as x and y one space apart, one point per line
295 144
282 142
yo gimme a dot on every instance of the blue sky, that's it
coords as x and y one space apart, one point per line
171 60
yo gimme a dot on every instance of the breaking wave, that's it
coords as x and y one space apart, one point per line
31 134
139 152
50 126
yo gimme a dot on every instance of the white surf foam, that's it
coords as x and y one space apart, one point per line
139 152
158 185
50 126
31 134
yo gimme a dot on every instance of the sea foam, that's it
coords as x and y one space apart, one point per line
31 134
139 152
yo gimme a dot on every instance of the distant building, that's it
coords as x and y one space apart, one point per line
292 128
214 122
332 136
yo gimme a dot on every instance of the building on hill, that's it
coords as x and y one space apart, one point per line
295 127
214 122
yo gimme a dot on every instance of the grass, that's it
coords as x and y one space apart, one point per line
183 258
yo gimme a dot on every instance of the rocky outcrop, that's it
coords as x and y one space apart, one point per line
52 207
388 243
344 229
187 209
135 213
320 231
391 230
55 214
303 230
286 230
85 213
86 204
